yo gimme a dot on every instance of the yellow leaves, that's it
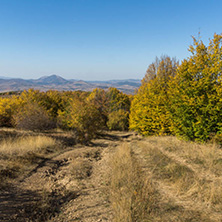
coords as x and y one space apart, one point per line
194 94
8 107
188 104
118 120
83 117
149 107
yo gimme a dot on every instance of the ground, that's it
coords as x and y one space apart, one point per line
172 180
71 185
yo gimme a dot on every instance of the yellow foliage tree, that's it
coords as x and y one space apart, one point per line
99 99
195 92
82 117
8 106
149 113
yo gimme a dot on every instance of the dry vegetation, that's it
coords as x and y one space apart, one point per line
132 195
19 151
119 177
42 175
24 145
186 175
22 154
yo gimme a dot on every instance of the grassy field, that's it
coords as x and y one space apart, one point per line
118 177
165 179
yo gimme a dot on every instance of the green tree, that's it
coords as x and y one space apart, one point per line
195 92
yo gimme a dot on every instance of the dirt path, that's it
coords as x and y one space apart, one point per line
92 204
71 186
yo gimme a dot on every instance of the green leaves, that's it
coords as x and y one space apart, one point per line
184 100
194 92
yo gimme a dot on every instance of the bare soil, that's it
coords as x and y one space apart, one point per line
71 185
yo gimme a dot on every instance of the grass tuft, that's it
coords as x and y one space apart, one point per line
132 197
24 145
16 153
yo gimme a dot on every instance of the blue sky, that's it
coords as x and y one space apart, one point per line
99 39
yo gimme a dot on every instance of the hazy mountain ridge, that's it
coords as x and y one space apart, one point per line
56 82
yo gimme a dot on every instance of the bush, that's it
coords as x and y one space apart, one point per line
33 117
8 106
118 120
82 117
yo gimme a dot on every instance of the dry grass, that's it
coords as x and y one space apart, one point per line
189 174
132 197
23 145
17 154
207 156
81 168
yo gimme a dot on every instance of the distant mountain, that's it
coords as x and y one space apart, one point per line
130 82
53 79
55 82
3 77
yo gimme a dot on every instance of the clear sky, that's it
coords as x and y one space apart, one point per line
99 39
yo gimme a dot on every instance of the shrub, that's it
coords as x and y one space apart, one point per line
33 117
118 120
83 117
8 106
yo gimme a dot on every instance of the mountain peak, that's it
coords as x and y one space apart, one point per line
53 79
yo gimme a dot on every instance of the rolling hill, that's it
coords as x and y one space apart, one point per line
55 82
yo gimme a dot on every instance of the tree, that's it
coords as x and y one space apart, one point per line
99 99
8 106
161 68
118 120
195 92
149 113
82 117
117 100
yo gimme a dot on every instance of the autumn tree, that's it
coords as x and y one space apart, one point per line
82 117
51 101
8 106
118 120
161 68
99 99
113 106
118 109
149 113
195 92
117 100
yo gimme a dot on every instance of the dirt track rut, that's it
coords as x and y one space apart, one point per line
57 189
